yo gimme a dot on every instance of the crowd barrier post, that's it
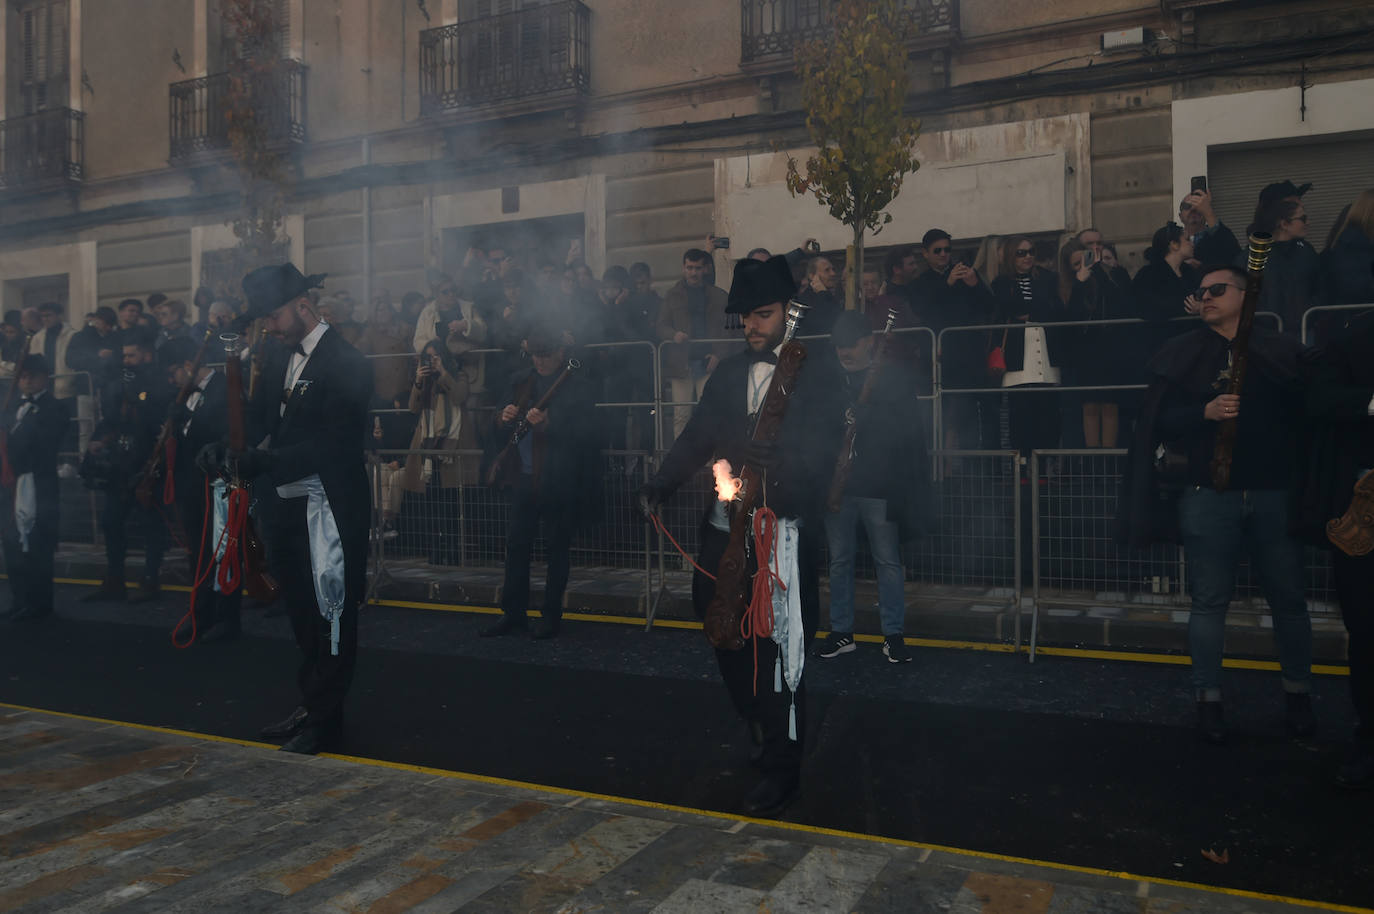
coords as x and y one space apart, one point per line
1326 309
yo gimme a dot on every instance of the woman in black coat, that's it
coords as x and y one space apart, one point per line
1348 262
1099 355
1164 288
1025 293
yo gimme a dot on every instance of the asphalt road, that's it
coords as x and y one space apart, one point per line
1091 763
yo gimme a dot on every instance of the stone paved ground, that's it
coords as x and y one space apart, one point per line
104 817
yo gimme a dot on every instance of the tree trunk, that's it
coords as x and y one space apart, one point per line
854 288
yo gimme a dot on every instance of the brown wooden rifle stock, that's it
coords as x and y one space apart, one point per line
845 462
725 612
506 467
1224 450
144 490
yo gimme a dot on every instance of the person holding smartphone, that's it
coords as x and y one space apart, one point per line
437 397
1212 241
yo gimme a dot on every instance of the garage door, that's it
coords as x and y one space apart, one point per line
1338 169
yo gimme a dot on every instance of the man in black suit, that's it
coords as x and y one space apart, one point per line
201 420
554 475
310 413
33 430
796 471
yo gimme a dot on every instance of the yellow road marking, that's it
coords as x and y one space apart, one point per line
714 814
1231 663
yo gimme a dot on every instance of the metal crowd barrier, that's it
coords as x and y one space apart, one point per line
1076 561
1325 309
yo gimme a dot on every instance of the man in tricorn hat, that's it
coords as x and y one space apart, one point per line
553 475
33 428
795 471
310 413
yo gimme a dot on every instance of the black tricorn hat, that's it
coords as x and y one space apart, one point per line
760 282
268 288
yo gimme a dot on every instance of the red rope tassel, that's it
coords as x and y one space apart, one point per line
231 566
758 616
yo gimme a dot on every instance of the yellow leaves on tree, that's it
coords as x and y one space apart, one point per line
853 90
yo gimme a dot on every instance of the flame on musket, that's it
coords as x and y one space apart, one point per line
728 485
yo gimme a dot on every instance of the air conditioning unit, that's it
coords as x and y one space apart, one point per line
1125 39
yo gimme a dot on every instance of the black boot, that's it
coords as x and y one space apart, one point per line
506 625
1298 715
111 590
771 795
150 591
1357 771
1210 722
545 629
290 726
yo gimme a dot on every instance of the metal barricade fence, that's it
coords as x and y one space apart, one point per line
1076 560
1309 332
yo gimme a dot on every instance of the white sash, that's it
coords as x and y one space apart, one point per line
219 506
25 507
788 632
326 551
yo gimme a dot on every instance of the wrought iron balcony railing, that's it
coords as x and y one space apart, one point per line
199 110
772 28
42 151
541 52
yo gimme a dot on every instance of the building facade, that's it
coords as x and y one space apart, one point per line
414 128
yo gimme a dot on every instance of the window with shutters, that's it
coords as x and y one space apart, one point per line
39 54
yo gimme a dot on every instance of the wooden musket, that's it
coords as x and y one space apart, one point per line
1224 450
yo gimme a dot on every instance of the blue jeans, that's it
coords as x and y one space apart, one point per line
841 529
1216 528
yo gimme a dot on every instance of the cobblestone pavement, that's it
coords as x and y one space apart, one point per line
96 816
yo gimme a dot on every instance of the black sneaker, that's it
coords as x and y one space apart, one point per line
1210 722
838 643
1302 723
895 649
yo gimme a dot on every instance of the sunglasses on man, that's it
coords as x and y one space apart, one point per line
1216 290
1024 252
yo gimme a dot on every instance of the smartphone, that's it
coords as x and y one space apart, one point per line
1199 183
720 243
814 247
1089 258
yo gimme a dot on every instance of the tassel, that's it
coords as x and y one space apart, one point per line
792 721
334 636
777 673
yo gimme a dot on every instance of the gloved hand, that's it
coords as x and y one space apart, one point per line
763 455
252 463
650 499
210 460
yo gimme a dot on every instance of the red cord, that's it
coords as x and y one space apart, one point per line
231 566
197 579
758 615
659 525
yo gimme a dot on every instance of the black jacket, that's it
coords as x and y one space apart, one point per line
208 423
324 430
1044 307
937 305
1339 382
825 308
133 409
32 448
1183 369
567 464
809 437
1292 283
1113 354
1159 295
890 458
1347 268
83 354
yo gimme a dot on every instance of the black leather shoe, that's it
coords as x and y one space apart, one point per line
1210 722
148 592
313 740
755 743
506 625
771 795
107 593
220 631
29 614
544 630
292 725
1298 715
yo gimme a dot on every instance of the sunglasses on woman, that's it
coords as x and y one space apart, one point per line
1024 252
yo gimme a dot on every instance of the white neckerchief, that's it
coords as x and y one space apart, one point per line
296 367
760 374
24 409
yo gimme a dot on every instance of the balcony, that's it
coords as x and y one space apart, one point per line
199 110
534 59
773 28
42 151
